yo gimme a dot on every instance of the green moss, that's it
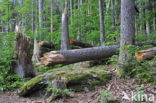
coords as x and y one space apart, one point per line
30 86
76 79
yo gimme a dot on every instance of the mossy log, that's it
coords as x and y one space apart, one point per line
76 80
146 54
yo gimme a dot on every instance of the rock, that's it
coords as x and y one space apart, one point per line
76 80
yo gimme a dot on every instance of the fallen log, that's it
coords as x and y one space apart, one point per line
80 43
46 44
77 55
146 54
87 45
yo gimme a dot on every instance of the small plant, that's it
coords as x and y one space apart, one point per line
104 95
59 93
139 95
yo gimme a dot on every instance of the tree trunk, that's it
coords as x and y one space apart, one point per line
77 55
22 47
102 38
146 54
80 44
40 7
36 52
65 33
127 32
148 8
71 10
86 45
51 18
33 16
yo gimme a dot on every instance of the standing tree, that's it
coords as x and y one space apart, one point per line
127 33
102 39
51 14
65 33
40 7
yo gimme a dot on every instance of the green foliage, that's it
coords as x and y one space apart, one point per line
104 95
59 93
7 81
144 72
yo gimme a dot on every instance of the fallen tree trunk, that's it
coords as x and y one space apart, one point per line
46 44
80 43
94 53
146 54
77 55
87 45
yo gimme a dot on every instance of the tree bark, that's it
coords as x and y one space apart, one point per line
22 48
65 33
51 14
127 32
102 34
40 7
36 52
86 45
71 10
77 55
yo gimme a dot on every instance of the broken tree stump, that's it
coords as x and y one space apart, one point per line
146 54
24 66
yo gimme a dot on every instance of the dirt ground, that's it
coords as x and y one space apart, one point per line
119 88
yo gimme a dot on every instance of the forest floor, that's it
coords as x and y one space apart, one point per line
119 88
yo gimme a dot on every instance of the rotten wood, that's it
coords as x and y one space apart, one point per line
146 54
22 48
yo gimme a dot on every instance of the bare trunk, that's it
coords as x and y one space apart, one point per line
102 39
40 7
71 10
51 7
33 16
36 52
127 31
65 33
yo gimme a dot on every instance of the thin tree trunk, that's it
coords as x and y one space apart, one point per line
40 7
65 33
33 16
102 34
71 10
51 6
148 6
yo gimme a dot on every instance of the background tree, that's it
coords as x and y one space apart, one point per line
102 34
65 33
